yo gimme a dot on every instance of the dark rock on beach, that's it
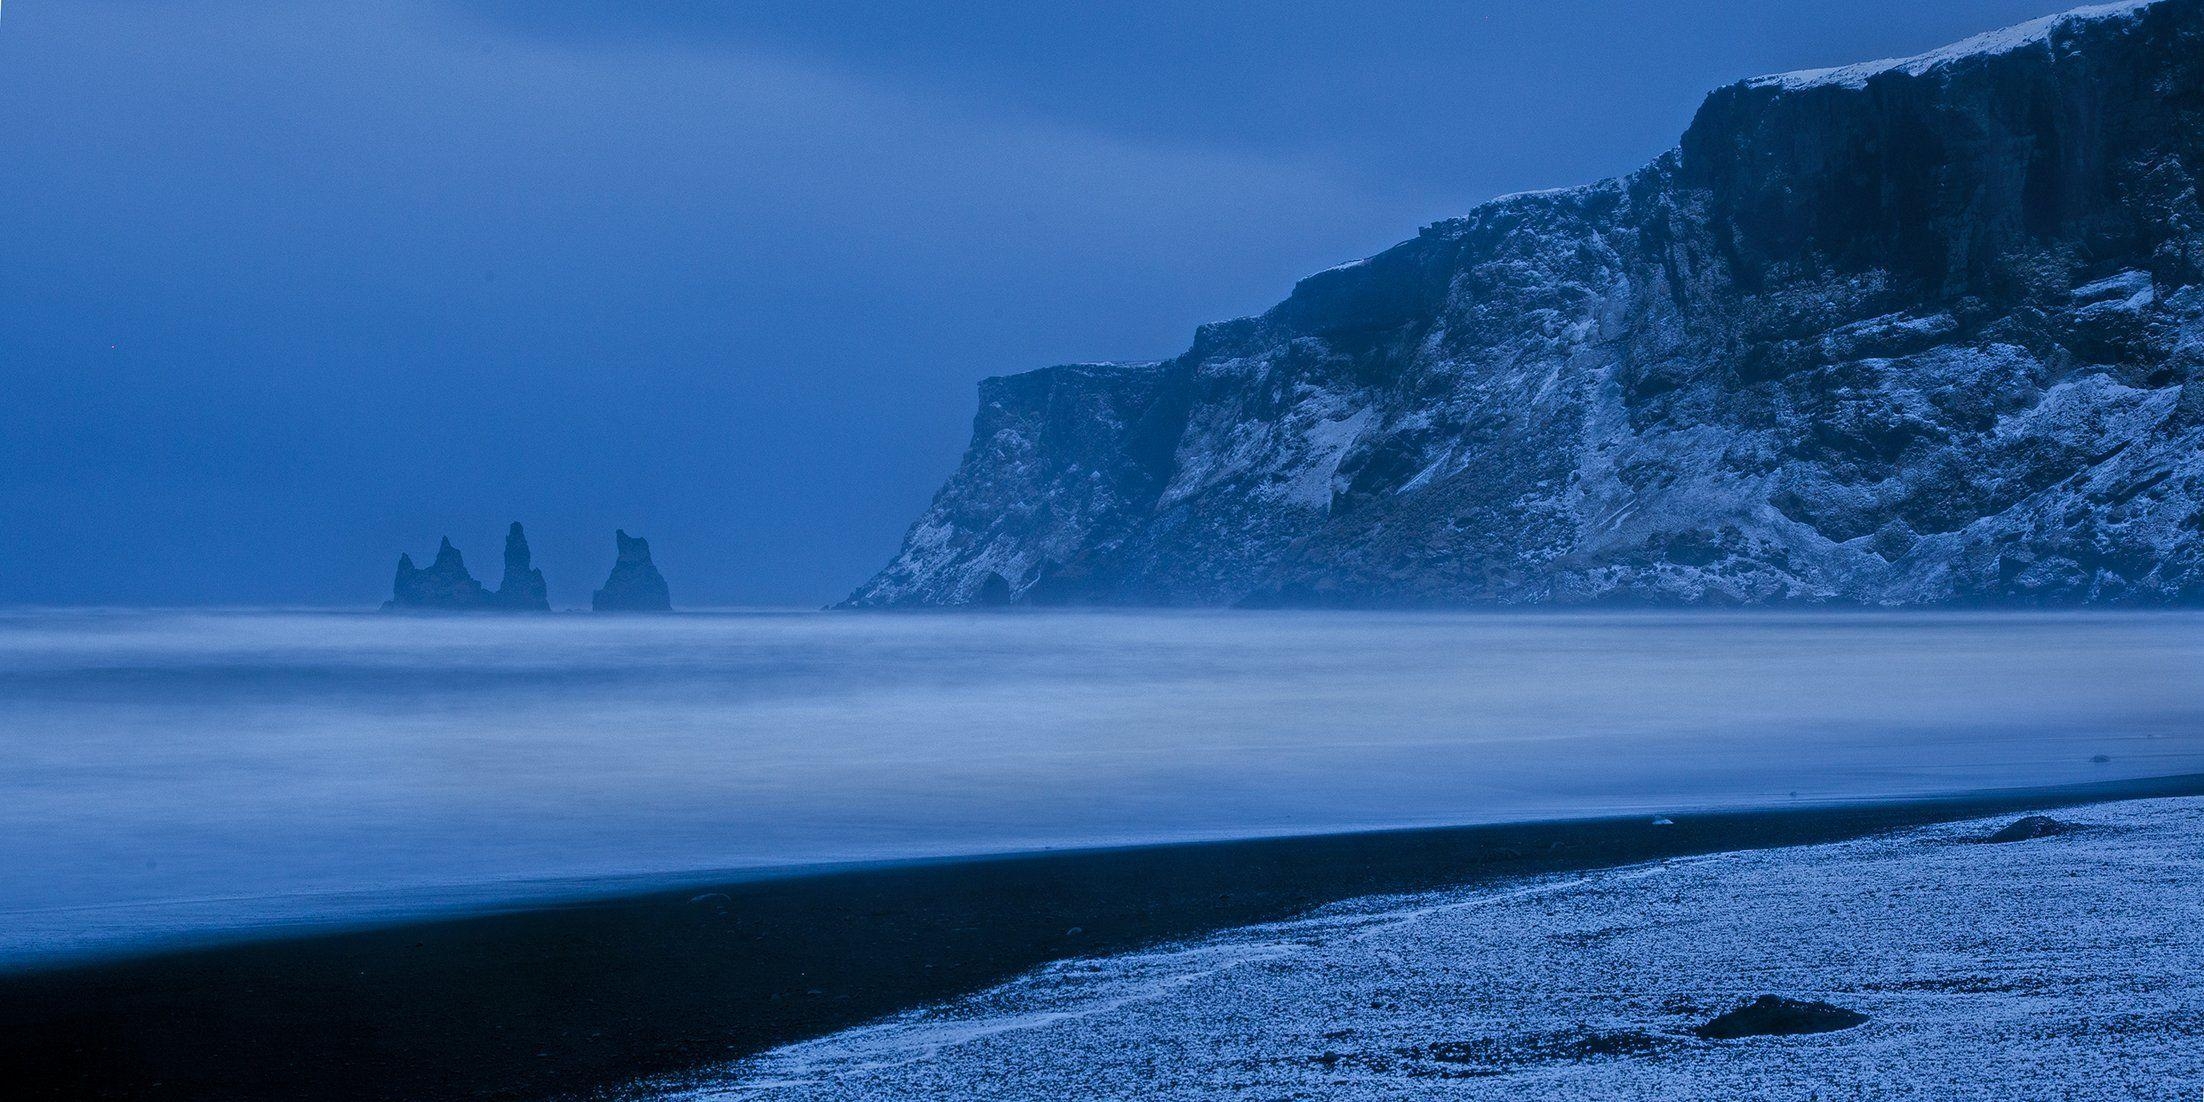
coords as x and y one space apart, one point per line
2032 827
1776 1016
443 585
635 584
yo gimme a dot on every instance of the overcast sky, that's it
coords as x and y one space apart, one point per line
287 288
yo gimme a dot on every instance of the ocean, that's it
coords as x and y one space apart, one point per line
169 776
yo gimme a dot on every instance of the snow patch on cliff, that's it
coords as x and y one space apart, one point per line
2034 33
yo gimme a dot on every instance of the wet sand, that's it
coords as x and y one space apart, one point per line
585 997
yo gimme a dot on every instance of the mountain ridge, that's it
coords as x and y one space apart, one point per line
1923 331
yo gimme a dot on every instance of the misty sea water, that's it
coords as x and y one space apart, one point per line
169 775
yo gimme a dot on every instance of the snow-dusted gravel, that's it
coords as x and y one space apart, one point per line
2069 967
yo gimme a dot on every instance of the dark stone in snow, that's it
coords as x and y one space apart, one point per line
635 584
2034 826
444 585
1775 1016
522 589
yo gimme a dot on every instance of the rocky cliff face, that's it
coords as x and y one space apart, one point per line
1917 332
635 584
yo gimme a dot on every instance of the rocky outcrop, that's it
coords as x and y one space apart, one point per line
1917 332
522 589
445 585
635 584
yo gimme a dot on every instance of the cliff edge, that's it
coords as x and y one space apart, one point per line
1925 331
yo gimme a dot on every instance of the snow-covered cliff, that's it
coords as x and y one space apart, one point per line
1921 331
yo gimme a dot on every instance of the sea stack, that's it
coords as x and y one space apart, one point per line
522 589
445 585
635 584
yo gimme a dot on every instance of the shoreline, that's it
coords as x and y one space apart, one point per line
591 995
1918 963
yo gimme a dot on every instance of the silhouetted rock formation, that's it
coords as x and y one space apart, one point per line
635 584
522 589
444 585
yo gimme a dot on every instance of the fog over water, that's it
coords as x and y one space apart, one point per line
176 774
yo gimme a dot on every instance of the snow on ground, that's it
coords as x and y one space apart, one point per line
2068 967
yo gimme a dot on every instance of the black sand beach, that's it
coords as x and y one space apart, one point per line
582 998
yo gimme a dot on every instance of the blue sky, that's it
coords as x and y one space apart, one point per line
288 288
